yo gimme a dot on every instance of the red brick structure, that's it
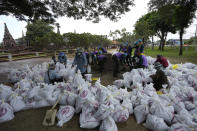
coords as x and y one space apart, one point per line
8 41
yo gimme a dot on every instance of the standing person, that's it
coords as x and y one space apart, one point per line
139 47
162 60
81 61
87 55
62 58
93 55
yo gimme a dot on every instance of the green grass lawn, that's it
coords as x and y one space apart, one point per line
172 53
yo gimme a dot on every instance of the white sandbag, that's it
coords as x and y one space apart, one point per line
141 113
17 102
185 117
88 77
83 96
128 105
65 114
5 92
88 69
41 103
155 123
68 98
6 112
108 125
30 103
189 106
165 112
121 114
178 127
103 111
87 119
119 83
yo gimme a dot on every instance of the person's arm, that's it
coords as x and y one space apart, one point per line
65 60
74 61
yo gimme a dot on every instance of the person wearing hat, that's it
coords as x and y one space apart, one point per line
62 58
162 60
51 75
139 47
81 61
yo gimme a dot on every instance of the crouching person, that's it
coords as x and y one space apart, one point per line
159 78
81 61
162 60
101 62
117 61
140 61
51 76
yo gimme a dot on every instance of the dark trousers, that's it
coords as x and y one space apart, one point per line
116 65
101 64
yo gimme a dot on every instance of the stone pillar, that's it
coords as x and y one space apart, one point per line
10 57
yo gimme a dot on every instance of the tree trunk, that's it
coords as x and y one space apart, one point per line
181 42
152 43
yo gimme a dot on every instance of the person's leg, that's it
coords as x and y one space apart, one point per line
116 66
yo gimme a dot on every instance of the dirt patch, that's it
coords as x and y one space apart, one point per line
31 120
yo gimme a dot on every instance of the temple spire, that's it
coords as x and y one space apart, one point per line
8 41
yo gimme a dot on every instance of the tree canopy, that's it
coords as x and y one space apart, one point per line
48 10
183 13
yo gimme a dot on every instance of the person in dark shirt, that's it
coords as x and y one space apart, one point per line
117 61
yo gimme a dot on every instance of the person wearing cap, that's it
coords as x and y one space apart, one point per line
62 58
81 61
51 75
162 60
139 47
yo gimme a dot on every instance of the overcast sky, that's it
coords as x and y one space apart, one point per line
102 28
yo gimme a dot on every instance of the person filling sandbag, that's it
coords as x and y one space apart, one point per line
81 61
51 76
118 59
162 60
140 61
101 62
159 78
62 58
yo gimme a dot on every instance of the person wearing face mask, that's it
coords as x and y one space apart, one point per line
81 61
62 58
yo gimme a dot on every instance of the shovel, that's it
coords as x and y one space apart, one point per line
49 119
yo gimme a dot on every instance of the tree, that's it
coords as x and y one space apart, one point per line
86 40
37 30
187 9
155 23
183 13
50 9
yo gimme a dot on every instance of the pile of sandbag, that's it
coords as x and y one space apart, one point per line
170 109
